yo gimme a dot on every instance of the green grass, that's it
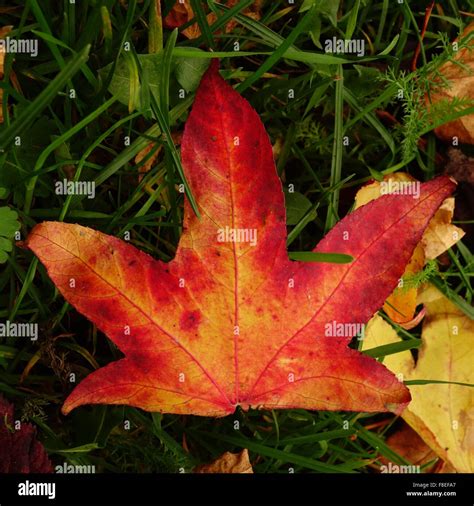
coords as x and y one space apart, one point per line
91 135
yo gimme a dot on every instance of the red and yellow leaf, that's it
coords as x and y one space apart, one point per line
231 320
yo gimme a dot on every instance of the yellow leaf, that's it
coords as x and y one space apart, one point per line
441 234
373 191
442 414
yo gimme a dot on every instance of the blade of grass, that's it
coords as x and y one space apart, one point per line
311 256
391 349
336 162
164 126
352 21
261 449
30 187
202 22
155 33
273 39
465 307
29 113
429 382
279 52
165 74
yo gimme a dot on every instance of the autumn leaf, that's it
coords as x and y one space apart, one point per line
409 445
228 463
438 237
20 452
182 12
149 155
457 82
442 414
231 321
441 234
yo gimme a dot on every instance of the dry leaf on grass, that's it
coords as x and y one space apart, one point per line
437 238
459 75
150 161
442 414
182 13
409 445
441 234
460 166
228 463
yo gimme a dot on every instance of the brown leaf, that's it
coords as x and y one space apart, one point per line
148 164
228 463
182 13
461 85
460 166
409 445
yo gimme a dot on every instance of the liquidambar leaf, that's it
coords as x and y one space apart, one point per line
231 320
20 452
442 414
